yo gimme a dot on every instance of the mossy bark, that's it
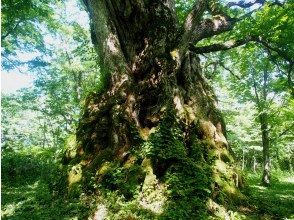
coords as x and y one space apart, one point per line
157 107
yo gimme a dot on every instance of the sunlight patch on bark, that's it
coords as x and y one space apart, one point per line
188 24
145 132
221 166
189 114
230 43
178 104
208 129
152 197
118 82
101 212
75 175
112 43
219 21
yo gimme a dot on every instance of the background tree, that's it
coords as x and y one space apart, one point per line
49 111
253 77
23 23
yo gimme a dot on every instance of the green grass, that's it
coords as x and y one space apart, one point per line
28 188
31 189
275 201
36 202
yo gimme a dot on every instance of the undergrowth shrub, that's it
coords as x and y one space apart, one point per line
27 165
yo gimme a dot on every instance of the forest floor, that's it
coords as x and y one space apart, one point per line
273 202
26 188
33 201
26 193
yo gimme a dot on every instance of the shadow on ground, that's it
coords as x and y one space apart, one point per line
275 201
28 188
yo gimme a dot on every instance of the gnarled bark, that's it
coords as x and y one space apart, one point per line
151 73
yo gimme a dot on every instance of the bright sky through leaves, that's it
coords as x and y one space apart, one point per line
11 82
14 80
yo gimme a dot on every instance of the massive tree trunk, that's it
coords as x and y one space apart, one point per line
157 113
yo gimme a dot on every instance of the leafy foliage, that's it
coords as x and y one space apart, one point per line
22 24
64 63
242 82
52 107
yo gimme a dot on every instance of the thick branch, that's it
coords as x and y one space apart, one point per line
192 22
244 4
290 128
211 27
195 15
220 47
236 43
221 22
190 26
171 4
277 50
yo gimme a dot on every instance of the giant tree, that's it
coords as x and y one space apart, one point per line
157 118
154 127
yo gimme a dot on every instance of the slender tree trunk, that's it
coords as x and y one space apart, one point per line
77 75
290 80
156 107
243 159
78 85
263 120
44 134
265 145
290 164
254 164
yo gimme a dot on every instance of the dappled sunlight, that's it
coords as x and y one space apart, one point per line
289 179
9 210
261 188
28 187
276 199
219 21
286 197
16 199
112 43
101 212
35 201
153 194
